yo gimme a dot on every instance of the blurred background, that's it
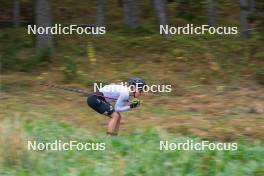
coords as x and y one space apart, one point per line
217 83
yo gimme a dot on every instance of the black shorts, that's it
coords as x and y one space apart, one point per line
100 105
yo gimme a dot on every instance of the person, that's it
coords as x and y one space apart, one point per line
119 95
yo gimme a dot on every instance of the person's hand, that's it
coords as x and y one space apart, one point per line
134 104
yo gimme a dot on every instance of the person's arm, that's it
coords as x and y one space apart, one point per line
121 103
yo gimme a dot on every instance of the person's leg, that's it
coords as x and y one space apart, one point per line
113 124
118 123
105 108
100 105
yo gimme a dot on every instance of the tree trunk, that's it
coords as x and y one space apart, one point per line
130 13
160 10
211 17
101 11
252 6
43 18
16 13
244 12
120 3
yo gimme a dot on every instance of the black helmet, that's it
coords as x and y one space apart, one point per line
136 81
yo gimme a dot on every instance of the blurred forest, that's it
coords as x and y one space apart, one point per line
127 18
217 82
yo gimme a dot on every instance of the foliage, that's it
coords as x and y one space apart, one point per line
258 14
91 53
136 153
70 71
9 58
188 9
12 57
10 61
44 55
259 74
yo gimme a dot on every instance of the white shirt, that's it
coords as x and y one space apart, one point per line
118 93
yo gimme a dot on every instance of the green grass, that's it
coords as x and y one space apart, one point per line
136 153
